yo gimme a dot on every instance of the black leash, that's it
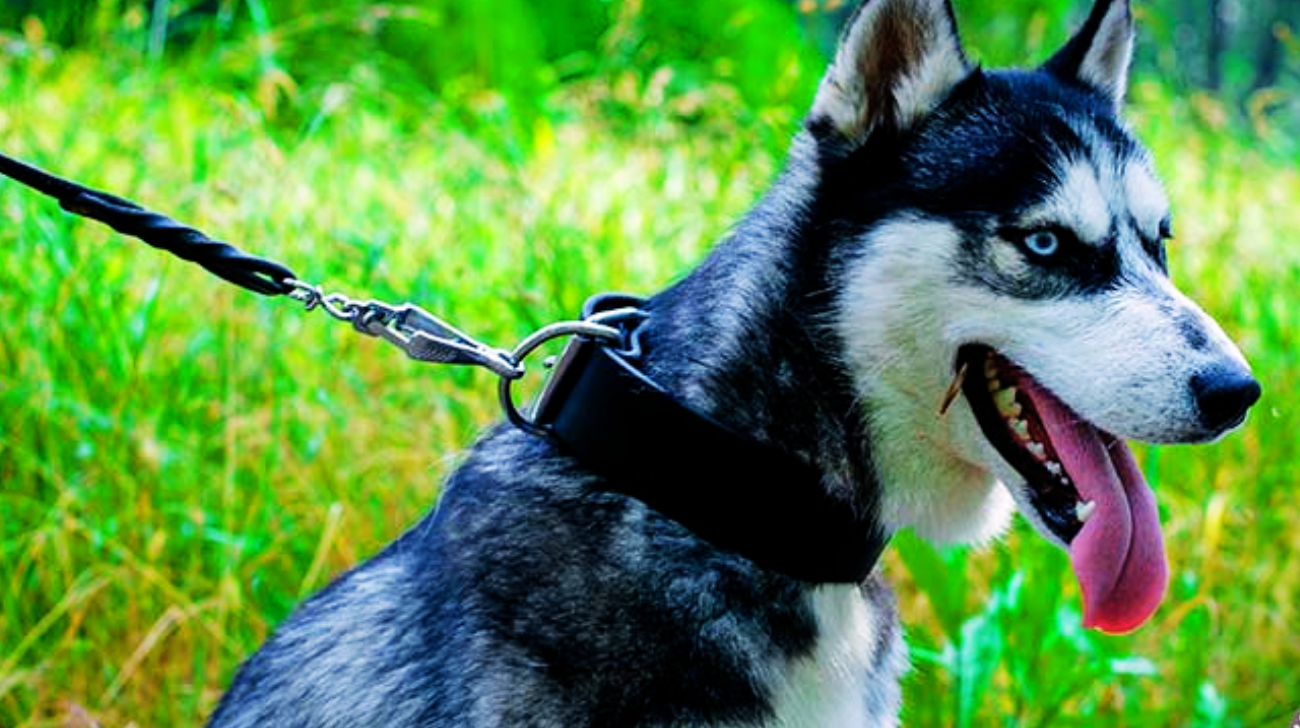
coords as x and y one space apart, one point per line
758 501
225 261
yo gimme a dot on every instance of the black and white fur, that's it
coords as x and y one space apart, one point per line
826 325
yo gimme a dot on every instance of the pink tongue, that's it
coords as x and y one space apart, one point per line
1119 555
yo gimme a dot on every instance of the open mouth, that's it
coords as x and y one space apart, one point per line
1081 482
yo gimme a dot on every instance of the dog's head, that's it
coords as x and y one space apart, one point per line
1001 240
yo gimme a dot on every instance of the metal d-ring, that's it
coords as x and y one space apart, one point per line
588 329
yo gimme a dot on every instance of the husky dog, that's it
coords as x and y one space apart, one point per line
953 304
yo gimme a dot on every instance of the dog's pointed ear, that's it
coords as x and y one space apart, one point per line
897 60
1098 55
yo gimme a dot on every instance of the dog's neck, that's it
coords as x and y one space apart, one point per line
748 339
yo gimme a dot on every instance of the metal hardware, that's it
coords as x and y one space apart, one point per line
586 329
418 333
602 327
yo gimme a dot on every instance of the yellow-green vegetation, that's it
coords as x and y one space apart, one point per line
182 461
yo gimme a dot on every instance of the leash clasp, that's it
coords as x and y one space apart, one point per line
425 337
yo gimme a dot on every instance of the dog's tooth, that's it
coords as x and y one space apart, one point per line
1054 468
1003 399
1084 509
1036 449
1021 428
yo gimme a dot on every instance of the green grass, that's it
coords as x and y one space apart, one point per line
183 461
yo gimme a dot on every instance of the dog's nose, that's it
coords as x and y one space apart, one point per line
1223 395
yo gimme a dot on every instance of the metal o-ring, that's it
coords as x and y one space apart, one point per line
527 346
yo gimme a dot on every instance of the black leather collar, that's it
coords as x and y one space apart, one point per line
740 495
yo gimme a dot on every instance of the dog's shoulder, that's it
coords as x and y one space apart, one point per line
603 606
530 593
598 603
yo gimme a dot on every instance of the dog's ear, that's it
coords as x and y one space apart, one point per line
1098 55
897 60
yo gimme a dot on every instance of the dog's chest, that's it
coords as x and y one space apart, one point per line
851 677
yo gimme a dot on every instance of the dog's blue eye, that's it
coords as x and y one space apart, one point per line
1042 243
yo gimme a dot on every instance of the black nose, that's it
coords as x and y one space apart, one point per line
1223 396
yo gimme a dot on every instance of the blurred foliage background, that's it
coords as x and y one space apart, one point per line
296 56
181 463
